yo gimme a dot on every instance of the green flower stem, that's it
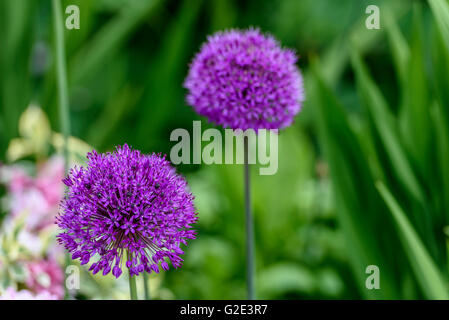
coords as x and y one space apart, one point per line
249 229
132 287
132 284
63 103
64 115
146 287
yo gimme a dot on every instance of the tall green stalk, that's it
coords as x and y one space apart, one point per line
61 75
132 287
63 96
146 286
249 228
132 283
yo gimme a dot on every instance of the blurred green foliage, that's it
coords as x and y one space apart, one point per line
363 174
389 164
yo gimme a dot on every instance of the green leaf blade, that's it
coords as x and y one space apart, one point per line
424 267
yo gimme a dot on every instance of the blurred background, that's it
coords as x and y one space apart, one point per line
363 174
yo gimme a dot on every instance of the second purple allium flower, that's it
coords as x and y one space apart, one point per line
126 208
243 80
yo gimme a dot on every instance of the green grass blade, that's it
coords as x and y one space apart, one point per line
424 267
398 45
414 115
440 9
442 142
354 192
386 127
440 112
440 68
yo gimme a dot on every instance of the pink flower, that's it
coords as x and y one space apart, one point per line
38 196
48 180
16 177
45 276
11 294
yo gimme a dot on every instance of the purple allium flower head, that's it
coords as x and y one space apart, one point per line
243 80
126 206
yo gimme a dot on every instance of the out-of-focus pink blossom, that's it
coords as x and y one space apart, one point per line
17 178
37 196
48 180
31 242
11 294
45 276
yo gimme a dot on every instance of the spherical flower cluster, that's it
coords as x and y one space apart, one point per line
243 80
126 206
